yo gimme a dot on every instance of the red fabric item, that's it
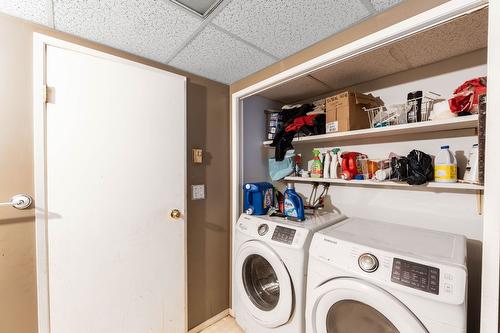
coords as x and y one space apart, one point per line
467 95
300 122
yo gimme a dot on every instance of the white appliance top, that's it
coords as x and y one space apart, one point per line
279 231
313 222
427 244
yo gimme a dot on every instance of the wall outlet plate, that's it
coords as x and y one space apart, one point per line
198 192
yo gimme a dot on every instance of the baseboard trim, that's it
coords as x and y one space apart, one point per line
231 312
210 322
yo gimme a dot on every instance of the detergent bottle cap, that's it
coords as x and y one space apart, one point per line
290 186
335 150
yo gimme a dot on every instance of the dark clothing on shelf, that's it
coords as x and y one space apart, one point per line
297 122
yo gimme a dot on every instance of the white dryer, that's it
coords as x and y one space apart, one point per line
269 271
367 276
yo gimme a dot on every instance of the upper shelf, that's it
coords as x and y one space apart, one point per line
422 127
461 35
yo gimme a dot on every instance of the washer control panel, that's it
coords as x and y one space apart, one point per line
416 276
283 234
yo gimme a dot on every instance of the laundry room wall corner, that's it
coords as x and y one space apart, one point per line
208 116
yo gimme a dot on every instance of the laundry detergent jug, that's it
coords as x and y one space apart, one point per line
258 198
294 206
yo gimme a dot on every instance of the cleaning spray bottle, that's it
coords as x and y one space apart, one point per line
334 165
326 165
294 206
317 165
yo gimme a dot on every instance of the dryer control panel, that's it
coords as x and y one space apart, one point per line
414 275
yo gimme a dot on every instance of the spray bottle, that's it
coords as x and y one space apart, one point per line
334 165
317 165
326 165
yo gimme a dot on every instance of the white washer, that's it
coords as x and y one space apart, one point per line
269 271
367 276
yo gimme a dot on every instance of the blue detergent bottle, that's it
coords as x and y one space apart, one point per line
258 198
294 206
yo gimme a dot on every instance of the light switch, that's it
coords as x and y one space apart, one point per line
197 156
198 192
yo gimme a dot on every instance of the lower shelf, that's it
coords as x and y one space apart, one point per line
389 184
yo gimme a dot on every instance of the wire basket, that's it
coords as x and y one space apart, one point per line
404 113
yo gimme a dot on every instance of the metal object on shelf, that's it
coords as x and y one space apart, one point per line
396 114
19 201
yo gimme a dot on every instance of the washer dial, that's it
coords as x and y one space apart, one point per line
263 229
368 262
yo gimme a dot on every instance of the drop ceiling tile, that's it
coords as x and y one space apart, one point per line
285 27
149 28
381 5
220 57
31 10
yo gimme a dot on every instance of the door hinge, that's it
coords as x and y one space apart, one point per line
48 94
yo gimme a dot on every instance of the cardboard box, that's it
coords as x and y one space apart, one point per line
344 111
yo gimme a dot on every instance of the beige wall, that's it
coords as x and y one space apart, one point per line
208 236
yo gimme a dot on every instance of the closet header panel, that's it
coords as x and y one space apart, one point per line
459 36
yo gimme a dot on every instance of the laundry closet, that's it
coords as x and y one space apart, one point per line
434 52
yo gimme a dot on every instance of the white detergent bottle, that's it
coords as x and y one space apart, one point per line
326 165
334 165
445 166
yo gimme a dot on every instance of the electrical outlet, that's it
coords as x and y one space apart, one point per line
198 192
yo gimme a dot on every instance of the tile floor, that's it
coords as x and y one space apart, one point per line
225 325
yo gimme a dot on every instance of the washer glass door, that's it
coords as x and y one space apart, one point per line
261 282
264 284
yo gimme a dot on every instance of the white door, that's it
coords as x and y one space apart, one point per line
345 305
264 284
114 160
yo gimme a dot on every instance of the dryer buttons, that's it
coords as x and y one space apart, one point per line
263 229
368 262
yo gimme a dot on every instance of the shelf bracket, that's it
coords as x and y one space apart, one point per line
479 201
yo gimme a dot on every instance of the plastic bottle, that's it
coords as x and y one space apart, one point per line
326 165
293 204
317 165
445 166
334 165
472 169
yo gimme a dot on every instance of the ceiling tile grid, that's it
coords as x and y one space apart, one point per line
31 10
149 28
220 57
284 27
238 39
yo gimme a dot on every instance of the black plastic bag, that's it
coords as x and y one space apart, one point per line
420 169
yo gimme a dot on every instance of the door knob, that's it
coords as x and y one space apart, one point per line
175 214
